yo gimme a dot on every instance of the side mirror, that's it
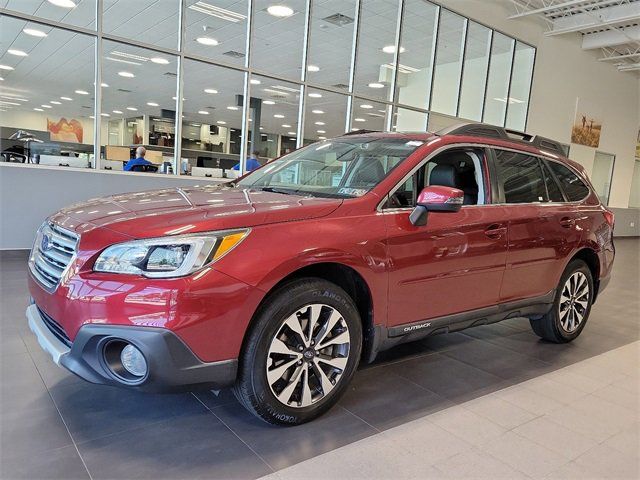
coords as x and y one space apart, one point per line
436 198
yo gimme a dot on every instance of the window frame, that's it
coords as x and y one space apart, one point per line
501 194
584 181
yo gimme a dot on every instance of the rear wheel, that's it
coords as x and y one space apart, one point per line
301 353
571 306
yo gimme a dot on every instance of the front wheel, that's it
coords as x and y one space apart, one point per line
301 352
571 306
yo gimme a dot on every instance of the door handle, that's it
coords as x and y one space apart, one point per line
567 222
496 230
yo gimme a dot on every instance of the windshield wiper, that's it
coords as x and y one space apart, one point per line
277 190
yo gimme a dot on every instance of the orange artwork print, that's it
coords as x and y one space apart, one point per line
65 130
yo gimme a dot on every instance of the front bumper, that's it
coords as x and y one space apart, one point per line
172 366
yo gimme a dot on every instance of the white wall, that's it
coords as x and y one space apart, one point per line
563 73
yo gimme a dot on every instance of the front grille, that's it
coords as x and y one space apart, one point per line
53 251
55 328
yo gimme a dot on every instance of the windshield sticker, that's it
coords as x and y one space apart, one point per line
354 192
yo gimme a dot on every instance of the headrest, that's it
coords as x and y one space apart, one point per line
444 175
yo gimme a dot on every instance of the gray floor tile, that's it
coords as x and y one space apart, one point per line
61 463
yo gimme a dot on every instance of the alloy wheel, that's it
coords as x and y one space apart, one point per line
574 301
308 355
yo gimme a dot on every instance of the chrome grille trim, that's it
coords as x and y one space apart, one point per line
49 265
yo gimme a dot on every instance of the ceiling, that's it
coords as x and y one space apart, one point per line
611 26
62 63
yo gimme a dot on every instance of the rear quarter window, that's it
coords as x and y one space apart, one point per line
574 188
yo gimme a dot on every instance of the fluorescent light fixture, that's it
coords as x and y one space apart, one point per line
231 107
44 106
13 97
221 122
280 11
55 102
359 120
153 104
4 103
291 133
313 68
128 62
286 89
255 81
402 68
126 74
34 32
130 56
217 12
160 60
133 109
320 137
105 115
271 90
284 125
117 112
511 100
278 115
82 92
104 85
63 3
210 90
320 123
38 109
376 85
17 53
321 131
208 41
315 95
268 102
366 106
392 49
6 67
203 112
319 112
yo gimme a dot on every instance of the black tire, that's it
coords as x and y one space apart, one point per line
253 389
551 327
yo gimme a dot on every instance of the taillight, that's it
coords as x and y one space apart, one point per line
609 217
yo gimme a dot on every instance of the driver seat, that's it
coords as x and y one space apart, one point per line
447 176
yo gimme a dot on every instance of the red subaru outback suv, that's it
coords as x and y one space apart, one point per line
282 282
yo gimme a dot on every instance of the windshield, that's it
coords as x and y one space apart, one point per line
343 168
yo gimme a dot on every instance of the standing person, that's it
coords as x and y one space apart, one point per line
251 164
139 160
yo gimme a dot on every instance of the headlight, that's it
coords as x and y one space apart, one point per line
168 257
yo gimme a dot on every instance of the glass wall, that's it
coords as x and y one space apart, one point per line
172 76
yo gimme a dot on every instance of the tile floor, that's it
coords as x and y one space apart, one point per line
492 402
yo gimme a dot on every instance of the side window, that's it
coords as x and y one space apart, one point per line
521 177
555 195
573 187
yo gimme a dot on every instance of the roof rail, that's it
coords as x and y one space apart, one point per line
492 131
359 132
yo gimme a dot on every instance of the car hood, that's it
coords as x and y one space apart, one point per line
188 210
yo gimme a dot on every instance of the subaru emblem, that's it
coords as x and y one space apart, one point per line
45 243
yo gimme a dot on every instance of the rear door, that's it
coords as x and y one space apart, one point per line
542 227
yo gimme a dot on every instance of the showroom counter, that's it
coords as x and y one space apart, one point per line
30 193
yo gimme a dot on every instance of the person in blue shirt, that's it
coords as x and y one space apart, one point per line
139 160
252 163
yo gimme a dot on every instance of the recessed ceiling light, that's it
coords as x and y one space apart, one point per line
251 119
117 112
175 98
315 95
105 115
359 120
104 85
55 102
63 3
210 90
255 81
82 92
203 112
126 74
278 115
133 109
46 106
1 79
208 41
221 122
392 49
160 60
319 112
17 53
68 99
376 85
291 133
91 116
319 123
280 11
6 67
321 137
284 125
38 110
34 33
321 131
231 107
313 68
153 104
366 106
269 102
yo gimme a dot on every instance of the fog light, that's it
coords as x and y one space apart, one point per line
133 361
